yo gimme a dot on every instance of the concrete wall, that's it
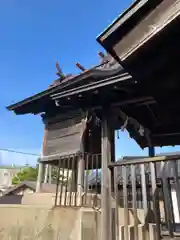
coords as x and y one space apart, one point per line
35 218
46 199
20 222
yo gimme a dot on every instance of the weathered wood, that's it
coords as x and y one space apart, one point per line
125 199
50 174
80 66
148 26
81 162
177 184
105 198
63 137
46 173
59 141
57 183
116 204
166 199
144 190
155 199
134 200
80 177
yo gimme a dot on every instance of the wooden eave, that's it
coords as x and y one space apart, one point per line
120 20
16 107
146 43
122 93
41 101
164 129
136 27
92 86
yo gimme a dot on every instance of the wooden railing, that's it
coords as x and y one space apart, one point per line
78 187
148 191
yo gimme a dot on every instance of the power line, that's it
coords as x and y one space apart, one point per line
24 153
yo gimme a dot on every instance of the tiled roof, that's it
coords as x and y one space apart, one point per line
46 187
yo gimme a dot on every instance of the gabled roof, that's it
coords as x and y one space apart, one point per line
46 187
106 69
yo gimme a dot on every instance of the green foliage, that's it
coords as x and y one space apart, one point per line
31 174
27 174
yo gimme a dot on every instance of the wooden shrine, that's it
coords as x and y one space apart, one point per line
82 112
145 40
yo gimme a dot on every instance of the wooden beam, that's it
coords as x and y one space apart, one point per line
92 86
101 55
78 65
59 72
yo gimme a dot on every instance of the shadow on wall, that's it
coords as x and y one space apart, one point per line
30 222
11 199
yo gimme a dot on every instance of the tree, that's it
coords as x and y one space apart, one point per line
31 174
27 174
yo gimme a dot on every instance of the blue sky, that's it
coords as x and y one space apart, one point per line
34 34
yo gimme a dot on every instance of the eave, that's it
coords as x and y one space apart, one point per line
92 86
145 109
45 94
140 23
40 102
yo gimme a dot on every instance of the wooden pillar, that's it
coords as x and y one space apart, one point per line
80 175
46 173
50 174
113 213
41 171
80 178
105 180
81 163
151 151
155 194
40 177
74 179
